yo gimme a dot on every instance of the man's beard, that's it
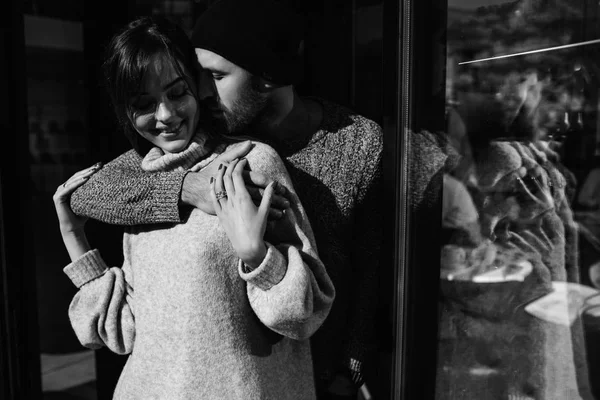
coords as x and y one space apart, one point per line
247 110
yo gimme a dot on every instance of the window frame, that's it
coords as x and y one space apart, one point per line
19 352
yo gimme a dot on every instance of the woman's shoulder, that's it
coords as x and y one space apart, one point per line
262 157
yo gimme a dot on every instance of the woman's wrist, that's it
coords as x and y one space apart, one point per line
255 257
76 243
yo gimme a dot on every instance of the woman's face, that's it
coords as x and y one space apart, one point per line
164 112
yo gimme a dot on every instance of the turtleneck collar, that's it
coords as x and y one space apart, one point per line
193 157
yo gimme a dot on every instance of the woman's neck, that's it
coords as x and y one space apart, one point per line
159 160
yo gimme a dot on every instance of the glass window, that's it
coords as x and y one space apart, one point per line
58 147
519 165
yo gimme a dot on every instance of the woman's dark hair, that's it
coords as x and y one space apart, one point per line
128 56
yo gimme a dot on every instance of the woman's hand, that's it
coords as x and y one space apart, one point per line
243 221
68 221
71 225
196 189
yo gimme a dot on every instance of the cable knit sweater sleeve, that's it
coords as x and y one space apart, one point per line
101 312
290 291
123 193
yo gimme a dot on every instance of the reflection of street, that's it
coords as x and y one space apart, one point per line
588 223
566 303
589 227
522 112
589 246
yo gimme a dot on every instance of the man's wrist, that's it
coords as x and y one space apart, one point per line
194 192
188 195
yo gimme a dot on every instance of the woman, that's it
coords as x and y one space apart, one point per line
216 307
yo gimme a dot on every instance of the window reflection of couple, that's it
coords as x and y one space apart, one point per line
506 190
218 300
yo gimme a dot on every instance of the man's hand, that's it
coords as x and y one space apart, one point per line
196 185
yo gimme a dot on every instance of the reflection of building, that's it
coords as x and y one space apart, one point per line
509 39
460 10
458 14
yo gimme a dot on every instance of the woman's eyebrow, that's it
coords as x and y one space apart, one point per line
167 86
173 83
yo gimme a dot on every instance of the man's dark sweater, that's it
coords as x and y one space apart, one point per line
337 175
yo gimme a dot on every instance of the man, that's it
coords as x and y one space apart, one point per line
251 56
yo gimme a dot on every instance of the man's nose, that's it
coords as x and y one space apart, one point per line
206 87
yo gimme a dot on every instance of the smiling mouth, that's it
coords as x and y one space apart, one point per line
172 132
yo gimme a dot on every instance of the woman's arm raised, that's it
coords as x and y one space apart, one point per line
100 312
288 287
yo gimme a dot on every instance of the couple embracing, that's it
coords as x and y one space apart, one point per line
250 266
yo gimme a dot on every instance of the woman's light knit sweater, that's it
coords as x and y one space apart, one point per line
196 324
337 174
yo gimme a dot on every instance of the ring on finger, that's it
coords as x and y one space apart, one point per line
221 195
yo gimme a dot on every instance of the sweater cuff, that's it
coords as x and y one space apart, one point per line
167 194
86 268
269 273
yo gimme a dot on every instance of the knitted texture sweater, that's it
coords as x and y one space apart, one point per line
197 325
337 173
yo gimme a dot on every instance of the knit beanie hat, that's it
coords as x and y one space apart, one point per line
262 36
